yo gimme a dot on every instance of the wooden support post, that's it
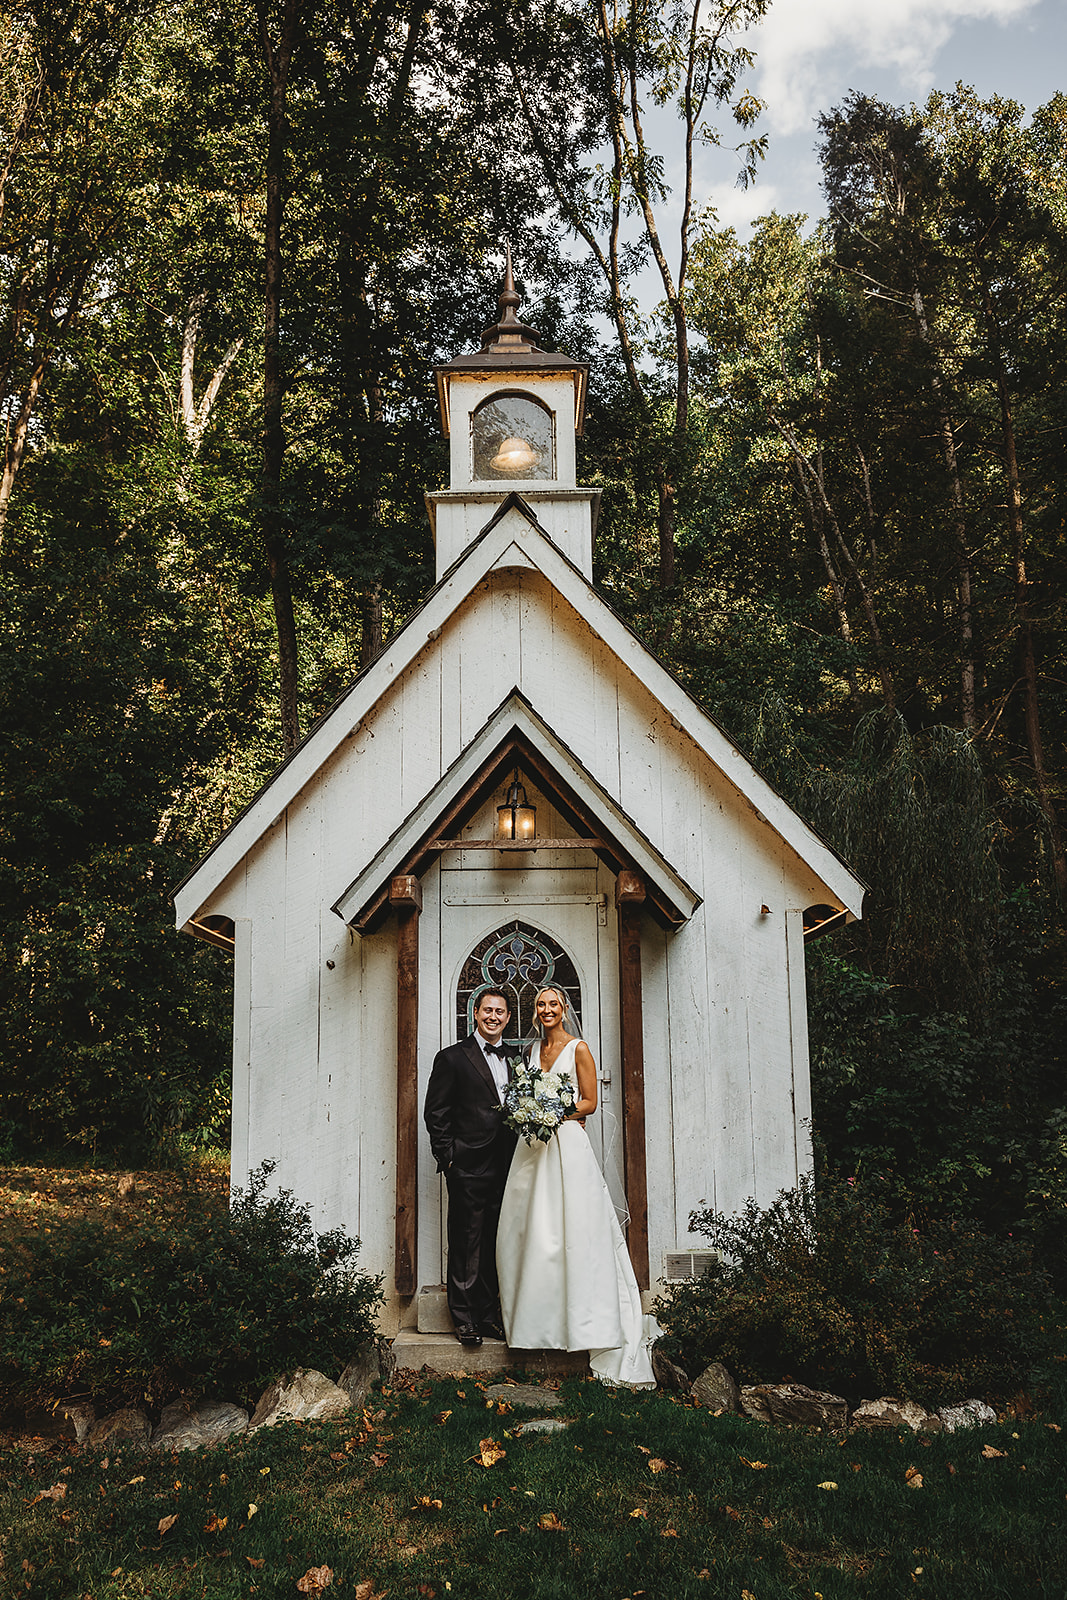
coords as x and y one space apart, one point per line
630 897
405 894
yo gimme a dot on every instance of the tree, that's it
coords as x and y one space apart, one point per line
688 56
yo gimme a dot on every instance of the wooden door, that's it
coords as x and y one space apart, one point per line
473 909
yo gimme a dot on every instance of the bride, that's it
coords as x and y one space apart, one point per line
566 1282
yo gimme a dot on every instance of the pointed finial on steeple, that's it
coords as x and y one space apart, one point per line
509 334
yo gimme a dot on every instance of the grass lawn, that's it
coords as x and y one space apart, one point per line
643 1495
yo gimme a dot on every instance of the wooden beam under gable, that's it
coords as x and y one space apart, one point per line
515 733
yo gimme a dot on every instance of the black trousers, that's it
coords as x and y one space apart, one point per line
473 1213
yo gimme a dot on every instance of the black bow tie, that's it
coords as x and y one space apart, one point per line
496 1050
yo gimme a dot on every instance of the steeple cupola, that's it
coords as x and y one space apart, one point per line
512 412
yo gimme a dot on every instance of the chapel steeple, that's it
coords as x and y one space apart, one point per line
512 412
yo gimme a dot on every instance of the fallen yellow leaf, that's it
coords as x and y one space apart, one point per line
425 1503
550 1520
316 1579
58 1491
166 1523
489 1452
215 1523
913 1478
442 1417
252 1509
668 1533
757 1466
829 1484
638 1511
657 1464
254 1561
992 1454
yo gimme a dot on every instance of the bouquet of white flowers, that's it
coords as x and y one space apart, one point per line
536 1102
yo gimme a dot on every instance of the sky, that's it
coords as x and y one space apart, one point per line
811 53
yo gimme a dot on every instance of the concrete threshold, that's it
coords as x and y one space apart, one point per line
444 1355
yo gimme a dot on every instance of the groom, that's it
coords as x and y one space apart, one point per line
473 1148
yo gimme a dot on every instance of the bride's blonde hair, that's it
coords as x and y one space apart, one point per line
570 1018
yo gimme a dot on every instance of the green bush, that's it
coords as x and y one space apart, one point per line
218 1302
828 1287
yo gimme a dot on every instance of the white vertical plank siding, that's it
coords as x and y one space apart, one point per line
242 1051
800 1074
770 1047
340 1075
725 1021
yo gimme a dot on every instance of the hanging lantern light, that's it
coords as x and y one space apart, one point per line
516 818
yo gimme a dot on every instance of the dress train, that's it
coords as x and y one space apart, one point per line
566 1282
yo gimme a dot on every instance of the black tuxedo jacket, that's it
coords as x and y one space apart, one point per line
463 1113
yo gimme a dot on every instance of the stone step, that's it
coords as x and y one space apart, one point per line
443 1353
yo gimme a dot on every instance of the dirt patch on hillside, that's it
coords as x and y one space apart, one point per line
36 1199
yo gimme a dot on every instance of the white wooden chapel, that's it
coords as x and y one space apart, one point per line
646 866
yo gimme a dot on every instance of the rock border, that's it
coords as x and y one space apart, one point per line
308 1395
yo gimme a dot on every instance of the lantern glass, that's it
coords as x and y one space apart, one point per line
512 437
516 818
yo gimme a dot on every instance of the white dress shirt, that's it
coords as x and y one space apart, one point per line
496 1064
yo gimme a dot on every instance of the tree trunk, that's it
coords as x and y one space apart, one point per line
833 578
1024 626
965 621
276 60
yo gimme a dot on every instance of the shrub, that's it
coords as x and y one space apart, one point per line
217 1301
827 1287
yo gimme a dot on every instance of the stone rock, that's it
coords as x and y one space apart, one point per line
185 1427
668 1376
715 1388
541 1425
887 1413
70 1420
359 1374
305 1395
128 1426
968 1414
525 1394
794 1404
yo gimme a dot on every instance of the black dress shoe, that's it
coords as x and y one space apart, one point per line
470 1338
492 1330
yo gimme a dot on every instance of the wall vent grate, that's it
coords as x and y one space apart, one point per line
683 1266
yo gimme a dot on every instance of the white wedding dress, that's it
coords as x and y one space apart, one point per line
566 1282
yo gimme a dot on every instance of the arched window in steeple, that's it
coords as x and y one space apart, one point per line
512 436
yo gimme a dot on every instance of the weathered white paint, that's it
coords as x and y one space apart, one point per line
567 516
515 637
371 700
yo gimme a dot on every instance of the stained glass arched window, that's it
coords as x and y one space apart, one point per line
520 960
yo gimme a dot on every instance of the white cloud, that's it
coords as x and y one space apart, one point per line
808 51
739 208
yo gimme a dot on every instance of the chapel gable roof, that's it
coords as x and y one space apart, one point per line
511 538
